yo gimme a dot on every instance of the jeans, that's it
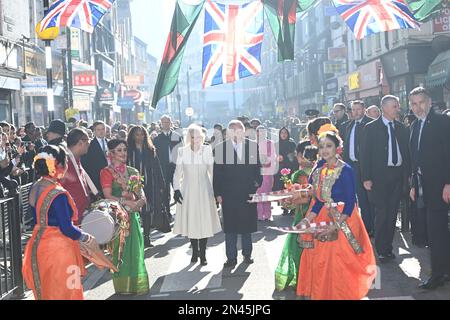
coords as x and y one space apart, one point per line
231 245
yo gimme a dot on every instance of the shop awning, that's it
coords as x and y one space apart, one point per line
439 70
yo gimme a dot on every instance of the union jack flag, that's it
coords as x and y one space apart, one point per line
81 14
232 42
365 17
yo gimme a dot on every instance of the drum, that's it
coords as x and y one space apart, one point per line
101 221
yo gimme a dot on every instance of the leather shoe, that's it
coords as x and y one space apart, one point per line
248 260
147 243
433 283
203 262
230 263
383 258
391 256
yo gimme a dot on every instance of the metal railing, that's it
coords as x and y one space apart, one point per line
11 280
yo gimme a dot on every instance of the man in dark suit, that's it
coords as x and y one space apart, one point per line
385 162
237 174
166 143
352 146
430 155
340 116
95 159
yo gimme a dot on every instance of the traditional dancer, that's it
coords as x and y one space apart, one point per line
286 273
339 263
52 265
132 277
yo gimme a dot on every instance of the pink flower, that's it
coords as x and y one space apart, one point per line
134 178
285 172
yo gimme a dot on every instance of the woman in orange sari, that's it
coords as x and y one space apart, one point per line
52 265
338 263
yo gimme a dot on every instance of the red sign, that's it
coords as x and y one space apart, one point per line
441 24
85 78
135 94
134 80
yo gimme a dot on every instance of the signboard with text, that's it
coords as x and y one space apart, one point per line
85 78
441 24
134 80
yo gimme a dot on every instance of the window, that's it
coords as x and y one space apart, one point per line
378 41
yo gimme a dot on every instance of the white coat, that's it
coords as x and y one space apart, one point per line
197 217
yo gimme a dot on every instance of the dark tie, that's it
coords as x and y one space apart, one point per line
415 144
103 146
357 137
393 145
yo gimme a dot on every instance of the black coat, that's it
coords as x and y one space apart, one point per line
154 183
234 181
94 161
341 124
286 149
346 137
434 158
162 144
374 151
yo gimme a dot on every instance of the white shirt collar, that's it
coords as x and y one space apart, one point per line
386 121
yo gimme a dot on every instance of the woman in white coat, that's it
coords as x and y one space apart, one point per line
196 212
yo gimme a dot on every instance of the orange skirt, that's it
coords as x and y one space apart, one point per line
60 266
332 270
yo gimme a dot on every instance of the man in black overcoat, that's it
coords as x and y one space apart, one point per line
237 174
385 164
166 144
430 155
352 146
95 159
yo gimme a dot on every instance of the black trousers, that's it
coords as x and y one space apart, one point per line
147 223
418 224
386 201
367 213
439 241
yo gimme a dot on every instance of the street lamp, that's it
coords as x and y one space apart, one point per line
49 65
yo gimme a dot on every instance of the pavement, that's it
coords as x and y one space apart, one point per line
173 277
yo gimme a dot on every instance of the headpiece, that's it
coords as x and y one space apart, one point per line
50 161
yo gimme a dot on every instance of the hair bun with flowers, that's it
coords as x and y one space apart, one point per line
50 162
327 128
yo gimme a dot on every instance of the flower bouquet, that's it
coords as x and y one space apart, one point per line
136 184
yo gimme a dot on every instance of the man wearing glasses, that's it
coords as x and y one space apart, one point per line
340 116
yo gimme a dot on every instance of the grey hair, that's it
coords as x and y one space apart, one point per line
193 129
233 123
388 98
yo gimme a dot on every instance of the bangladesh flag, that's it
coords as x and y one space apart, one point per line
183 22
282 16
304 5
425 10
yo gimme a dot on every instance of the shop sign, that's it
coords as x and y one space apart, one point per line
134 80
441 24
85 78
353 81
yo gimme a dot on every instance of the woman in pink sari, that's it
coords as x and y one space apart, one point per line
268 157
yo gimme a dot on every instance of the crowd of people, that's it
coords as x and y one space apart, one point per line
356 167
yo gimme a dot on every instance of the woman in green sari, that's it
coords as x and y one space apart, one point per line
132 277
286 273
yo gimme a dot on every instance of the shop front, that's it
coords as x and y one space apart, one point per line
406 69
367 83
438 79
9 97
